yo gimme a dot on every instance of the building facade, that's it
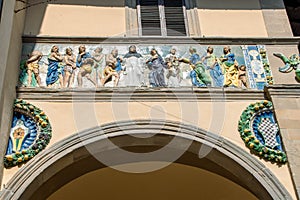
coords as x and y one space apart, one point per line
149 99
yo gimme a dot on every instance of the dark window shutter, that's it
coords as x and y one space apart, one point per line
150 18
1 4
174 16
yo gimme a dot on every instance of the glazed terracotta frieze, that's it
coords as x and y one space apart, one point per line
87 66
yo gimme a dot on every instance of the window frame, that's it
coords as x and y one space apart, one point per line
163 25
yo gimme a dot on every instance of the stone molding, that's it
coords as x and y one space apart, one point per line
283 91
131 94
286 100
46 166
164 40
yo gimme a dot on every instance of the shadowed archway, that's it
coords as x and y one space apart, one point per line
72 158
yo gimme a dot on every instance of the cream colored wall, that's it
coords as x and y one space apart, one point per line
176 181
67 119
231 18
216 18
232 23
67 20
104 19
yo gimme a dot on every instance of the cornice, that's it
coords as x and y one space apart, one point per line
283 91
139 94
163 40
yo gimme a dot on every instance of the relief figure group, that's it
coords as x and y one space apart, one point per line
133 69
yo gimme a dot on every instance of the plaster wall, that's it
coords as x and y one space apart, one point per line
77 19
255 18
217 117
231 23
231 18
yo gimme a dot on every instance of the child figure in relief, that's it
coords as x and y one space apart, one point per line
242 77
173 71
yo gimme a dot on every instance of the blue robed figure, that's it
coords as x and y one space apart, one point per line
214 68
198 75
156 75
53 71
54 68
83 58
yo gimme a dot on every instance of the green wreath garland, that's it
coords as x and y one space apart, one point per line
43 137
266 64
249 138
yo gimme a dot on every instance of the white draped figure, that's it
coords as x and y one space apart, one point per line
134 64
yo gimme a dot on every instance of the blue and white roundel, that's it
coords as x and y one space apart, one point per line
266 129
23 133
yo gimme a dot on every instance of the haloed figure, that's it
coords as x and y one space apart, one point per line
54 67
214 68
84 62
198 74
70 67
230 68
156 65
134 67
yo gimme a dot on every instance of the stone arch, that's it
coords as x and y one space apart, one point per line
68 159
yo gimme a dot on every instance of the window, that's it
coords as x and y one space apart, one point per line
1 4
162 18
293 12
